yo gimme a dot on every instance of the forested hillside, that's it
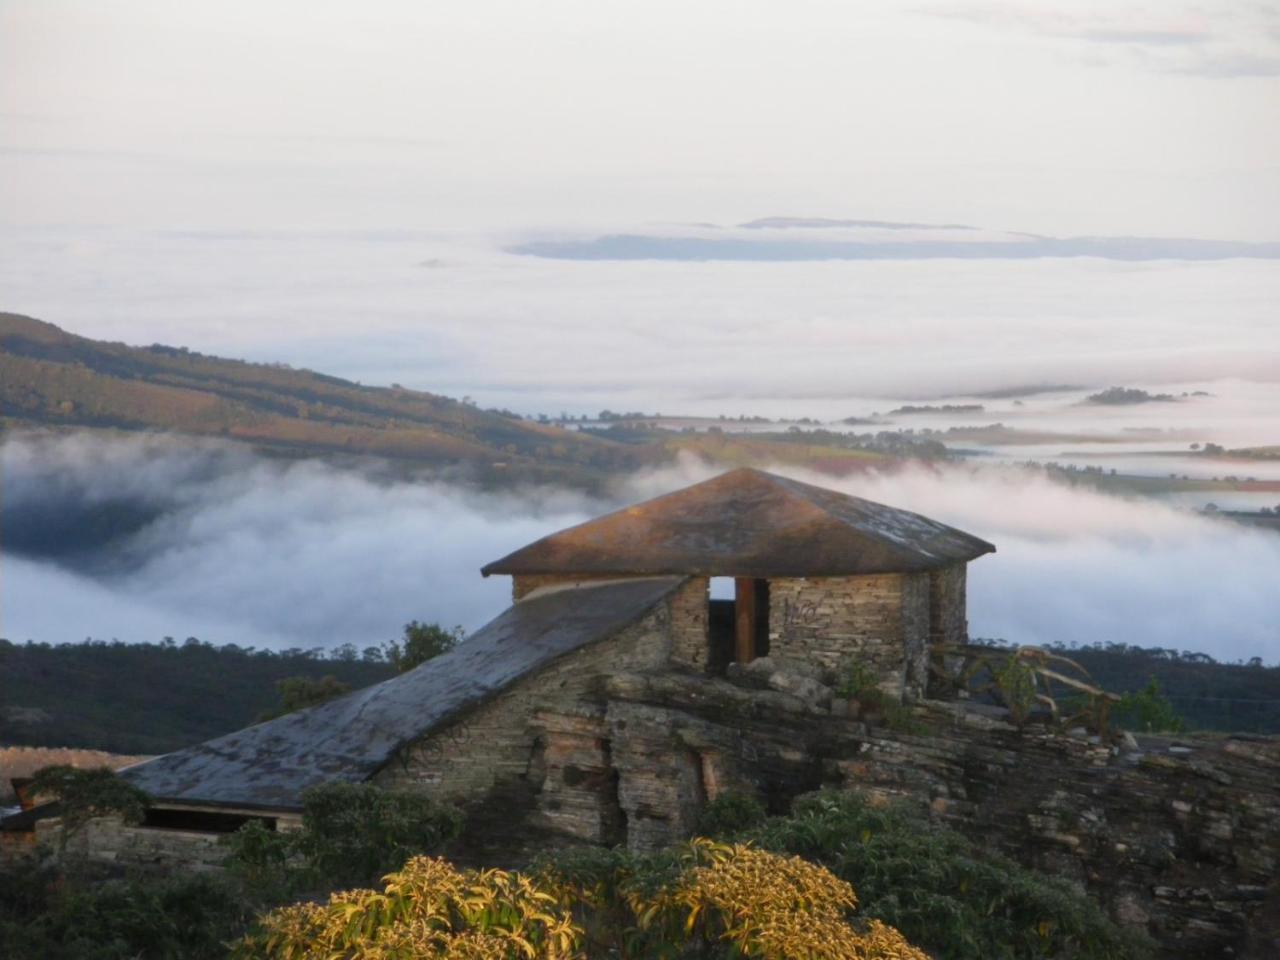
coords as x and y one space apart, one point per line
147 698
1207 695
51 377
155 697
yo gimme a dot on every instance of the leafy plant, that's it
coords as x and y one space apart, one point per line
939 890
1148 711
298 693
44 914
859 683
351 834
1015 684
264 861
705 900
1022 677
730 813
421 642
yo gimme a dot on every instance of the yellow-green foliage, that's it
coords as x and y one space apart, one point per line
730 900
428 909
766 905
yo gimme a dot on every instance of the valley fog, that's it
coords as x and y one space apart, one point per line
210 540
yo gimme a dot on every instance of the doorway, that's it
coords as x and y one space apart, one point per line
737 621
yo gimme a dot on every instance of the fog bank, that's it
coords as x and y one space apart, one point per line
229 547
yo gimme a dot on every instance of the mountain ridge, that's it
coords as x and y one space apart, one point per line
51 377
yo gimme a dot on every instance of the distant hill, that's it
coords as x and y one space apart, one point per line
51 377
148 698
1208 695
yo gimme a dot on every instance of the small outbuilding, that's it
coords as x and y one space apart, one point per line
546 719
805 573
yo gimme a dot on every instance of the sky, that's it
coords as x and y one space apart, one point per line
344 186
1060 118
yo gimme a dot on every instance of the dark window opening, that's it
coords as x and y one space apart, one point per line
204 821
737 629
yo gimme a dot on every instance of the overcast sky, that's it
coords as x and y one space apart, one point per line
1061 118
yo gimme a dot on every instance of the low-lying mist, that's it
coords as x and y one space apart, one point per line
144 537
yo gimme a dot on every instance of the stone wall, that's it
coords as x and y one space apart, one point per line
689 641
948 621
498 753
1181 838
111 841
874 620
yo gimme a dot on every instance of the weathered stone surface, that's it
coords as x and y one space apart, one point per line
1184 844
881 621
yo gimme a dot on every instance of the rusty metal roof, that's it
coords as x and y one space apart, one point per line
269 765
749 523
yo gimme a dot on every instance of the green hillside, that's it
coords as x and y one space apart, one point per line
145 698
51 377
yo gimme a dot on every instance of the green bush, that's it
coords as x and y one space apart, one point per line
83 795
352 834
729 814
263 861
858 682
44 915
934 886
1147 711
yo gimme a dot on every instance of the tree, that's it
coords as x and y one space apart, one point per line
420 643
83 795
297 693
1148 711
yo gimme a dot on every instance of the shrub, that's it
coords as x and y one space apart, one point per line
184 918
712 901
352 833
932 884
730 813
263 861
298 693
421 642
83 795
858 682
1147 711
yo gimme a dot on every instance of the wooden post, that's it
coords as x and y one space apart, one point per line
744 616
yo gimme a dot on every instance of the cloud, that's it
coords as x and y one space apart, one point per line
236 548
246 550
1239 40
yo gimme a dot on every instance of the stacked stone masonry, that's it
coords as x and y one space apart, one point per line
948 621
500 747
1179 838
879 621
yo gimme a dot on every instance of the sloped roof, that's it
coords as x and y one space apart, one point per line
749 523
269 765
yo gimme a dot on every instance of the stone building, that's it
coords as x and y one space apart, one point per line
814 575
693 644
518 714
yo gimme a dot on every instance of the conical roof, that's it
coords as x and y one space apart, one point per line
749 523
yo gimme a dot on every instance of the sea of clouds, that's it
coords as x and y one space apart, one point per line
243 549
454 314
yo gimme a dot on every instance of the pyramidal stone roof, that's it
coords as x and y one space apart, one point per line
749 523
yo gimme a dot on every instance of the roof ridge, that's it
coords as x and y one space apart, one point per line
748 522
